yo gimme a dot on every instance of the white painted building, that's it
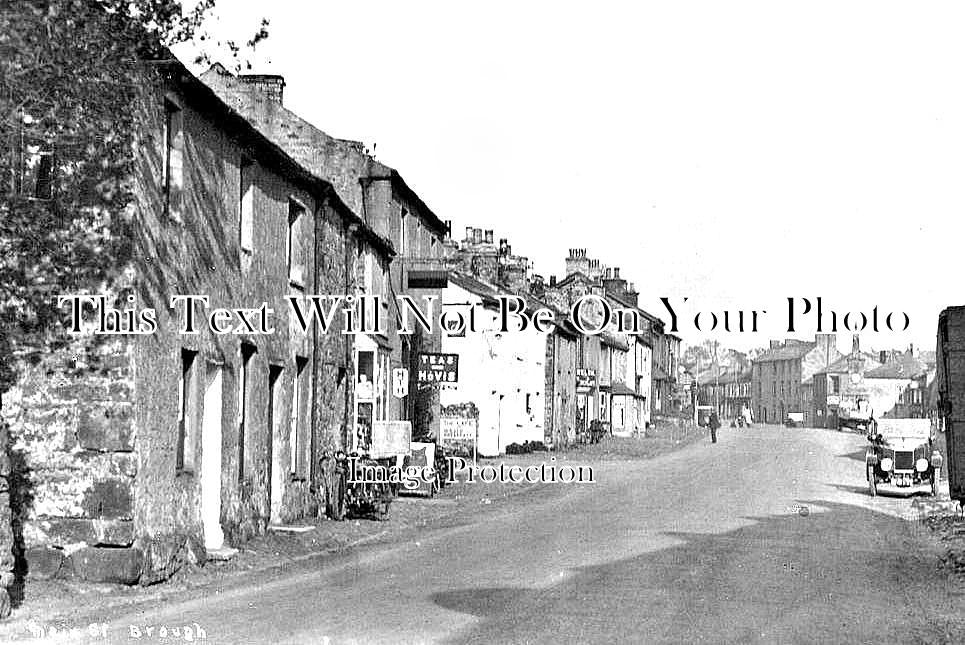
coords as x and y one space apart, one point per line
502 373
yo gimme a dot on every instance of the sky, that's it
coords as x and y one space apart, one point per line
735 153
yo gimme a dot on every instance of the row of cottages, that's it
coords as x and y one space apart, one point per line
782 377
140 452
727 388
384 202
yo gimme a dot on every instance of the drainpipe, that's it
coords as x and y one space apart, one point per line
349 427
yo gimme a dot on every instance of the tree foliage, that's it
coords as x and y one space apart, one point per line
69 70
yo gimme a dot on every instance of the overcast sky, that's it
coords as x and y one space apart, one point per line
736 153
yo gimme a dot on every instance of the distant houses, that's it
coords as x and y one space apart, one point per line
781 377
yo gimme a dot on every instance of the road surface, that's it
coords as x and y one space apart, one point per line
768 536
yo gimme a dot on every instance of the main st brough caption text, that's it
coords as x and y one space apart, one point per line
590 315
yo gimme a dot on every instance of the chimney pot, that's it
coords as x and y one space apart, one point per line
882 357
616 272
489 237
469 234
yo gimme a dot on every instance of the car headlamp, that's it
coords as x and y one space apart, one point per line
921 465
886 464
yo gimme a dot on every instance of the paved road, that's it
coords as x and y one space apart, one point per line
705 545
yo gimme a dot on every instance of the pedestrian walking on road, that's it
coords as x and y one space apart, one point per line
714 423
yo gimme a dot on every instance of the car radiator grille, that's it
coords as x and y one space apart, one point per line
904 460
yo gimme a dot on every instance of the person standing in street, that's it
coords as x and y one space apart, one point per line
714 423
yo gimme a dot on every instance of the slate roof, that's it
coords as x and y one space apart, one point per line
341 162
843 364
270 151
482 289
906 367
786 352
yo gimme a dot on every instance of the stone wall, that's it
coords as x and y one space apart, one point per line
7 542
72 458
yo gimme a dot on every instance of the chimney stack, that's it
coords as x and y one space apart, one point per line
882 357
468 234
489 237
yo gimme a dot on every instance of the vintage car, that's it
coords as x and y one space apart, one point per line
901 457
855 415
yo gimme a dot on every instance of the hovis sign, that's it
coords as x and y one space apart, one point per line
438 368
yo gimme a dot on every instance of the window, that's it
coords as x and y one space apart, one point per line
298 436
244 387
36 181
31 159
173 158
295 245
835 384
246 207
188 412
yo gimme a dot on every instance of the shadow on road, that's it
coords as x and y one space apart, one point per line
832 574
857 455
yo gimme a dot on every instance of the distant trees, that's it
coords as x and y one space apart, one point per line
711 353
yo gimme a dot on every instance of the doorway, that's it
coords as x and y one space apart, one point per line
211 444
276 469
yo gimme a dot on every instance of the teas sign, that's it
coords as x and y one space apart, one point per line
438 368
585 380
457 429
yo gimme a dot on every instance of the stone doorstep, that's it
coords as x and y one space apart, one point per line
291 528
221 554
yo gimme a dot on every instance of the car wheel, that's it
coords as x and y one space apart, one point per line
872 484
